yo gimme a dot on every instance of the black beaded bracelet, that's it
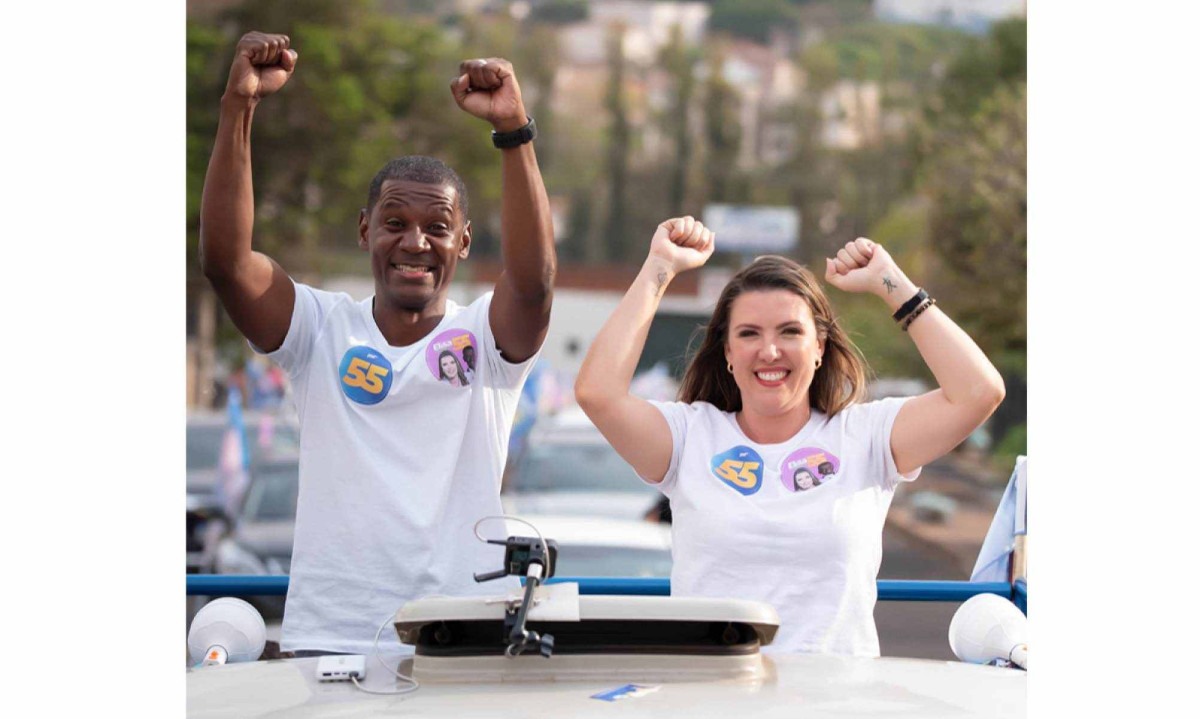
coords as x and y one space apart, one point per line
909 306
929 302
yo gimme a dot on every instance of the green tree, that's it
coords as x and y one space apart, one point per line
206 62
810 173
981 67
972 151
619 139
750 19
722 128
976 180
679 60
537 60
973 169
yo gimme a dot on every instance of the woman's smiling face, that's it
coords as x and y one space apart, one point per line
773 348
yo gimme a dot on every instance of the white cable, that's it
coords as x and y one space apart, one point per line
538 532
361 688
375 650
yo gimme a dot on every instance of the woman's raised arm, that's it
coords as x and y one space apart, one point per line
969 386
632 425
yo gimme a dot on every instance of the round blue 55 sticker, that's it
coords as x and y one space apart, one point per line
366 375
740 468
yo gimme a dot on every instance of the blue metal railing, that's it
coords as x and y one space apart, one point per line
900 590
1021 595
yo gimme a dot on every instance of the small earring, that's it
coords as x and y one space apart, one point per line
729 366
818 363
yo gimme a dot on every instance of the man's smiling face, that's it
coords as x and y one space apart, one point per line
416 235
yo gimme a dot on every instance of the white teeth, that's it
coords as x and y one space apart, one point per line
410 268
771 376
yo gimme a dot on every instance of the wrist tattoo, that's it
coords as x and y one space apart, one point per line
662 283
887 282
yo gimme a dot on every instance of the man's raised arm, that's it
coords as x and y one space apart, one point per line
520 311
256 292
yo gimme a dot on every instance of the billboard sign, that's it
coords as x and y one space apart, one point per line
749 229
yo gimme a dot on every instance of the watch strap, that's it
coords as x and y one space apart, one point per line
515 138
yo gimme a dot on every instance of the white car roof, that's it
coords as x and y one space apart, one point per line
588 531
813 686
570 423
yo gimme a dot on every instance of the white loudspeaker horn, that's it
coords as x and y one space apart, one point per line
226 630
988 627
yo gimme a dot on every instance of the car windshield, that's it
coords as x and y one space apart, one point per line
574 467
204 446
272 494
599 561
284 439
204 442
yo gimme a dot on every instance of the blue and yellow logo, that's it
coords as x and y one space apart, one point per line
740 468
366 375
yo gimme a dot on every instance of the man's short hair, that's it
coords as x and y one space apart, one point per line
418 168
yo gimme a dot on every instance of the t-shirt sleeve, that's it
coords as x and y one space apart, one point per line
310 308
878 419
505 374
677 415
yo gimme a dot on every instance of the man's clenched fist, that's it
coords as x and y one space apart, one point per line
488 89
261 65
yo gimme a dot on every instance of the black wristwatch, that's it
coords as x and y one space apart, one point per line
517 137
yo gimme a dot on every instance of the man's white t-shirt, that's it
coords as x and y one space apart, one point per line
396 465
798 524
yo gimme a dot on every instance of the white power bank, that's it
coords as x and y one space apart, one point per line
340 667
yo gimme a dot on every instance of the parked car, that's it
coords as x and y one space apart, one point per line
883 387
260 541
566 467
268 436
602 546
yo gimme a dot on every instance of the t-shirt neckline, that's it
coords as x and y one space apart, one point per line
815 419
367 308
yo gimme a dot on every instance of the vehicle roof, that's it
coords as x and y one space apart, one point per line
814 686
570 424
592 531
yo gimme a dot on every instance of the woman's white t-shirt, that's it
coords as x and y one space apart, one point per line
798 524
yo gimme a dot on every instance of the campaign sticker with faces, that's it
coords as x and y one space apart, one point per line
452 357
807 468
366 375
740 468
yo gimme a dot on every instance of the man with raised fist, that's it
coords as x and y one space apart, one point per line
396 465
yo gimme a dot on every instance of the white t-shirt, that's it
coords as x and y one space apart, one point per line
398 460
797 524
